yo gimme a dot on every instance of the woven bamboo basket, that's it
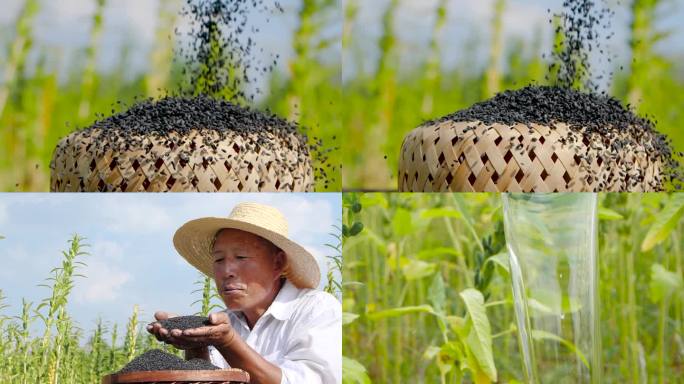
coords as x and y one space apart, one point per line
199 160
221 376
477 157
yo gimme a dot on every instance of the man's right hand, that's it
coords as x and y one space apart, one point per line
164 335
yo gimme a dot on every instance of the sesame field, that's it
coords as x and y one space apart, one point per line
41 343
462 53
277 57
428 292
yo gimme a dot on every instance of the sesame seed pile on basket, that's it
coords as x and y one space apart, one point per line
157 366
538 139
184 144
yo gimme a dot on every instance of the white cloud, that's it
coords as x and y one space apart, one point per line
104 275
4 215
307 218
103 282
127 214
13 258
106 250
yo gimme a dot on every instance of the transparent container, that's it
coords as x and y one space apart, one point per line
552 246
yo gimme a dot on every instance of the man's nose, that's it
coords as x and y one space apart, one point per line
227 269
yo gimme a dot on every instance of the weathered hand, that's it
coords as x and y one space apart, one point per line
156 329
219 333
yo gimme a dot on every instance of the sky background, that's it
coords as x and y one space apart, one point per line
132 259
469 23
64 26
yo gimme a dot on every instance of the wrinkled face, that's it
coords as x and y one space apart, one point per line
247 270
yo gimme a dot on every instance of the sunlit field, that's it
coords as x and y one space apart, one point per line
47 91
420 61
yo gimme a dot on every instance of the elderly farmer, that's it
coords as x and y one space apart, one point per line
277 327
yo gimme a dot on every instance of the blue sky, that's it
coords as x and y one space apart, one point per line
132 259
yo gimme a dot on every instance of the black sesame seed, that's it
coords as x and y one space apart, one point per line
158 360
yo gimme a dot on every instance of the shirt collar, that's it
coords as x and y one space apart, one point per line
284 304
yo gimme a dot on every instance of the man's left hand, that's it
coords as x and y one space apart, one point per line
219 334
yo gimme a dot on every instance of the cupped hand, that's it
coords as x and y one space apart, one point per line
156 328
218 333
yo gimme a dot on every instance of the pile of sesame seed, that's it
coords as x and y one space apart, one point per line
185 322
158 360
182 115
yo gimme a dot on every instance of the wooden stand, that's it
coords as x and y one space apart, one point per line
221 376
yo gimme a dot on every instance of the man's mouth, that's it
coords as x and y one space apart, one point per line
232 289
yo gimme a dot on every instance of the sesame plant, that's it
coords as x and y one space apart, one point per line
428 298
42 99
404 83
210 299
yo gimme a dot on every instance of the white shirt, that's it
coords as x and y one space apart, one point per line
301 332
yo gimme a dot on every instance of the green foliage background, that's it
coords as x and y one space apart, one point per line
37 109
414 274
383 105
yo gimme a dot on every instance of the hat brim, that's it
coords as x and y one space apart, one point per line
194 239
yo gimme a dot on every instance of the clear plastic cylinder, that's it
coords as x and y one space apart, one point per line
552 246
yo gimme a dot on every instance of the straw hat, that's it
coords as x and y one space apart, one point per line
194 241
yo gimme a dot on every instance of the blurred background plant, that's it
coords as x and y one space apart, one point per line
408 61
47 90
427 294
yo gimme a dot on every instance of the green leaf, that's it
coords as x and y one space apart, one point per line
608 214
371 199
348 317
543 335
2 237
457 324
663 283
399 311
401 222
500 259
354 372
417 269
480 337
440 212
437 294
431 253
665 222
547 302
